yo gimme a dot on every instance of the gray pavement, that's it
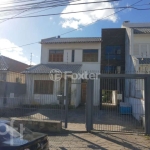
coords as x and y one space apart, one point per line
98 140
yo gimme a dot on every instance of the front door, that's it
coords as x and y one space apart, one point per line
83 92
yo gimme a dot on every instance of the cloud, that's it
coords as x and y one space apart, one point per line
14 53
51 18
79 19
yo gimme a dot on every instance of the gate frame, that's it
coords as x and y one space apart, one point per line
89 103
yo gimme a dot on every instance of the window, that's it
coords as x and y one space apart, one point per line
90 55
72 55
56 55
109 68
113 52
43 87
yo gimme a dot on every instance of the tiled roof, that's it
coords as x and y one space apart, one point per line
71 40
144 60
11 65
145 30
46 68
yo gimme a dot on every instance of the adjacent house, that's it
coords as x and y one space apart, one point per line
136 61
74 55
10 70
12 81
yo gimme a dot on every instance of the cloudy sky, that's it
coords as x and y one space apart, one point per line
17 32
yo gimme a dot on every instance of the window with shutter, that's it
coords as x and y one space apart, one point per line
43 87
56 55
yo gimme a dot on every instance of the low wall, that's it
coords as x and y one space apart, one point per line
40 125
138 107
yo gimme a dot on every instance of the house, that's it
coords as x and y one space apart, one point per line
10 70
12 81
75 55
137 61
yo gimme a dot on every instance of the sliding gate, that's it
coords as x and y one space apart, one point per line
124 104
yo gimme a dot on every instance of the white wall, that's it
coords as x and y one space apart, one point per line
78 56
68 47
67 56
138 107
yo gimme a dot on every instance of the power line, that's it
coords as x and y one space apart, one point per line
23 12
126 7
16 15
79 28
57 5
67 5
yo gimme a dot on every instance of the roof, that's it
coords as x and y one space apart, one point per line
71 40
136 25
141 30
144 60
11 65
46 68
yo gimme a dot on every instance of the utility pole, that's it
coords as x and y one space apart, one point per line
31 60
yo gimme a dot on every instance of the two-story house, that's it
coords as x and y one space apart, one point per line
137 61
74 55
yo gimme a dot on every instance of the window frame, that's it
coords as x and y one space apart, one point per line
90 54
43 87
54 53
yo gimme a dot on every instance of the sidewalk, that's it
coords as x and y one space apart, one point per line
80 140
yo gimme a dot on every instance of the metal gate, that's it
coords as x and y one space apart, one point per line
123 104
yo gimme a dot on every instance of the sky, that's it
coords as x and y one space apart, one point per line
17 32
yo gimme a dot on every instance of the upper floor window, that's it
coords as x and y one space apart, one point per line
90 55
56 55
113 52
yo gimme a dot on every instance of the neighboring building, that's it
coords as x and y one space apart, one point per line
137 61
10 70
144 65
12 81
78 55
112 60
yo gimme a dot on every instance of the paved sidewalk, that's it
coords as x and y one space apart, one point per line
75 140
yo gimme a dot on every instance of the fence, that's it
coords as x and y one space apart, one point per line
26 96
112 102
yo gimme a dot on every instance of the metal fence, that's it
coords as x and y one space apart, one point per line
30 96
112 102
